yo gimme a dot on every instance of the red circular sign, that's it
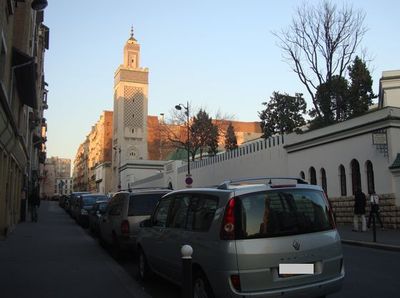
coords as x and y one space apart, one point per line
189 180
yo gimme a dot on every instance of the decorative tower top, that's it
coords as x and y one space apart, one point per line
132 38
132 52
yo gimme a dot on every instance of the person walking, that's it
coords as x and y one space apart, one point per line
374 201
34 203
360 202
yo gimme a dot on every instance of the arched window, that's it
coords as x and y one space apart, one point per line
313 176
355 175
302 175
342 178
370 176
323 181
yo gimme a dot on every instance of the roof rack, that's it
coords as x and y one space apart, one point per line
144 188
226 183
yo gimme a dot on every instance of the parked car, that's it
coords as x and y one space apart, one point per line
243 237
63 201
84 204
120 223
71 200
95 215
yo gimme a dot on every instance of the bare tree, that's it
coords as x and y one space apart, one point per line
202 133
321 42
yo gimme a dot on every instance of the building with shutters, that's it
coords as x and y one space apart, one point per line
23 99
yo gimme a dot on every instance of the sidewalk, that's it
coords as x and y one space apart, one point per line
57 258
386 239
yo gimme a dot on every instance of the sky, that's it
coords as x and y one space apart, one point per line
219 55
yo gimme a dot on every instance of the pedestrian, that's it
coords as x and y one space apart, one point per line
34 203
374 201
360 202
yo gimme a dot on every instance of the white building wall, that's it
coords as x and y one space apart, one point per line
331 155
270 161
326 148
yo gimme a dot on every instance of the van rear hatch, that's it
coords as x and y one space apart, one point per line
291 226
140 207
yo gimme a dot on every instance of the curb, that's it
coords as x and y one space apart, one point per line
372 245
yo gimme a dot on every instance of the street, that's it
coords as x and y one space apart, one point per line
57 258
369 273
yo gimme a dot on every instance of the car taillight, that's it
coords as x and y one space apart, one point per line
228 223
235 280
125 227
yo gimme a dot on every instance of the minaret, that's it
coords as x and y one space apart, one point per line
130 111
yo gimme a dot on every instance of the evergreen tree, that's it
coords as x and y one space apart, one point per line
230 138
202 133
213 140
283 114
332 98
339 100
360 90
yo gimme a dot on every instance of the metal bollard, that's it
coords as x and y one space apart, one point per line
187 251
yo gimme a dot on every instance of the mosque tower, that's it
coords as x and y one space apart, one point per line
130 113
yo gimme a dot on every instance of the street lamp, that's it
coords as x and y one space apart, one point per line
119 166
187 113
39 4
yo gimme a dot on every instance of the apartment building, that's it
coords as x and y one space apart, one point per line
23 96
96 150
57 177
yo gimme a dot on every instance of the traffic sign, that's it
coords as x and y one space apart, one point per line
189 180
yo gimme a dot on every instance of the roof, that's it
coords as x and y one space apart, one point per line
396 163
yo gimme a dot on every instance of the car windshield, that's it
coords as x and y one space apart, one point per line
91 200
143 204
283 212
102 207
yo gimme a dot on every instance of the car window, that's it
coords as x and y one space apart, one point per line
143 204
91 200
179 210
161 214
282 212
201 212
115 209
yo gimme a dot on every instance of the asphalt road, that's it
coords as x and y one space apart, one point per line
370 273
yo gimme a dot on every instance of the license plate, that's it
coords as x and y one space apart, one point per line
288 270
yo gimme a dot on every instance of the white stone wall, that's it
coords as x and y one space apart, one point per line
269 160
326 148
331 155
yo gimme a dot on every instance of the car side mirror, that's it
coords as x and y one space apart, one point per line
146 223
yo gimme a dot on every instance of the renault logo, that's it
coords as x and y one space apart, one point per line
296 245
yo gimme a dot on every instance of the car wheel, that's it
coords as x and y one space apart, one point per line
144 270
201 286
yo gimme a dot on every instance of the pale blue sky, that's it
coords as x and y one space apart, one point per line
218 54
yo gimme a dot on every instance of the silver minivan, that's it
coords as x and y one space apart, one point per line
119 225
249 240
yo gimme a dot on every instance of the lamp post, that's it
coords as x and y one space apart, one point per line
179 107
119 166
